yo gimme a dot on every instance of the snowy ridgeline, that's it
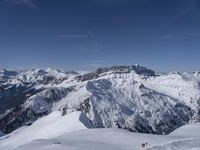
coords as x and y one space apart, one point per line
74 132
129 97
47 127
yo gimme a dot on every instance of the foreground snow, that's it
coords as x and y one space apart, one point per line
112 139
190 135
71 132
45 128
183 144
97 139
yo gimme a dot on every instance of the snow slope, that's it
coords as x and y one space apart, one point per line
66 132
183 144
188 130
47 127
97 139
116 139
191 139
113 139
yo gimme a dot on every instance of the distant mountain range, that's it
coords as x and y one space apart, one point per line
129 97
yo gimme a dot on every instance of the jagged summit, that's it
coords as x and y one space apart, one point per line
119 70
127 69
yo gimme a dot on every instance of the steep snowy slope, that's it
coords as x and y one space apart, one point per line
129 97
47 127
127 104
184 87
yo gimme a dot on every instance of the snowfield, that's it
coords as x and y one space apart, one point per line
97 139
190 135
71 132
45 128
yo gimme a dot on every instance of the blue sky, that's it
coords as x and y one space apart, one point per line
163 35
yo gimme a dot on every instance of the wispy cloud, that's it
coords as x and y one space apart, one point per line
86 43
73 36
28 3
173 37
88 35
93 64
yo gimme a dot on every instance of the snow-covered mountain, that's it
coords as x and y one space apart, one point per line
128 97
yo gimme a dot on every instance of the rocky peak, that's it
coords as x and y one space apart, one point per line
117 69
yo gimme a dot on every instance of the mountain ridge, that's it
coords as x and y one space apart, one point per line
130 97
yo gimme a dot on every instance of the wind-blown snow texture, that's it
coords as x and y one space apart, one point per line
128 97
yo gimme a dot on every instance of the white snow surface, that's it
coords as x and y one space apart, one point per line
65 133
97 139
113 139
184 87
190 135
47 127
183 144
188 130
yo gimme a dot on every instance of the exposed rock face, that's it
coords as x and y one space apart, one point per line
33 108
117 69
12 95
130 97
24 97
144 111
